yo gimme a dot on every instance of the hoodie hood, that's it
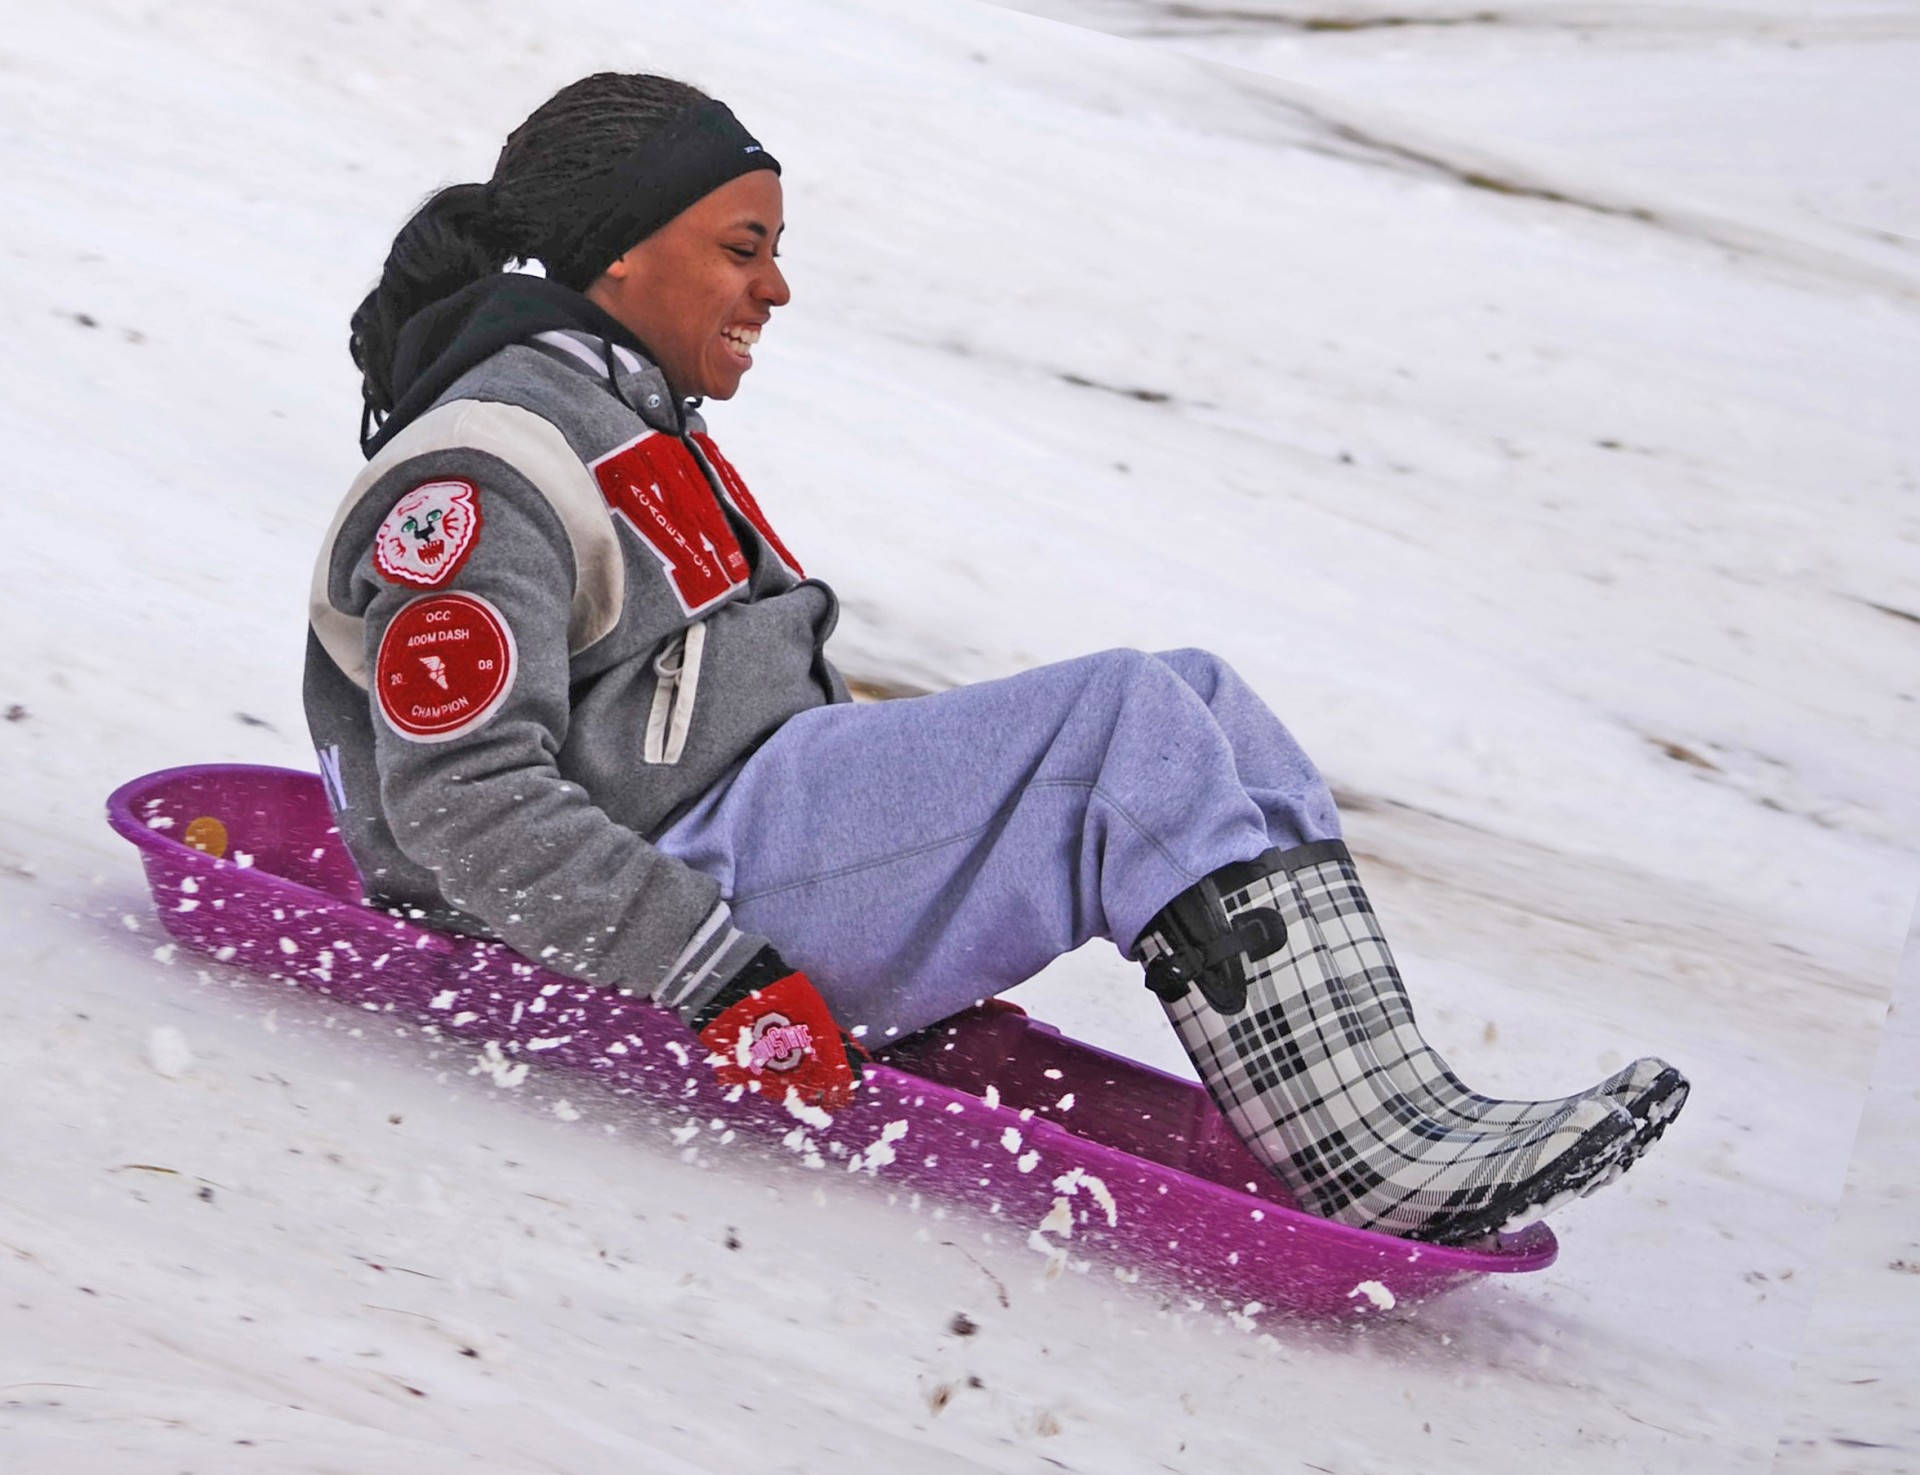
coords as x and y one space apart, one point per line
445 339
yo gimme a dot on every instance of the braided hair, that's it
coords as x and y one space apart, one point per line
536 207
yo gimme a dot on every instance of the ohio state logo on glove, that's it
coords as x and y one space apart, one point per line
783 1036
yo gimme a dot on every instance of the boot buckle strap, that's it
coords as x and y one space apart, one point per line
1215 959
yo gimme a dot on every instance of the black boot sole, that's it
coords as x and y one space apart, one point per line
1657 1106
1600 1156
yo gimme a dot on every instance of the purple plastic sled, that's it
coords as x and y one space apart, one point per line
1097 1156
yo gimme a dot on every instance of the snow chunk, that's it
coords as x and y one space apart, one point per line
799 1110
1374 1292
494 1064
798 1141
879 1152
444 999
1028 1160
566 1110
1096 1188
168 1053
1059 1221
1010 1139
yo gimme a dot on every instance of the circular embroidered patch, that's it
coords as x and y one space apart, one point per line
428 534
445 664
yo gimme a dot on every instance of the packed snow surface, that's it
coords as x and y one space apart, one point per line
1522 400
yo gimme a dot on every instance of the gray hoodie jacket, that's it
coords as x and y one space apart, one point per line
547 616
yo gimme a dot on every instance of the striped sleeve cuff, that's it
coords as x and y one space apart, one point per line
716 952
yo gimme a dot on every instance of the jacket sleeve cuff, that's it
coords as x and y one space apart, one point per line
713 955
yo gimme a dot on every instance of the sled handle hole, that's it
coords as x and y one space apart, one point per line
208 835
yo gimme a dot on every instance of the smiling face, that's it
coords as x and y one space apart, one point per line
698 290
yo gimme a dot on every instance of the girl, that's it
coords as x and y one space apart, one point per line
570 689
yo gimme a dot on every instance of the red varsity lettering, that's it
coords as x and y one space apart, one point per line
743 499
655 486
445 665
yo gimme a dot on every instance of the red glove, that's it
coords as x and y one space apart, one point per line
778 1036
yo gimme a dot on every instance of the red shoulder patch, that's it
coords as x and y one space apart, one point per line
428 534
657 489
445 665
744 500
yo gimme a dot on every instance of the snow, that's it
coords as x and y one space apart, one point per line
1072 1182
1524 406
878 1153
1854 1403
1375 1292
168 1052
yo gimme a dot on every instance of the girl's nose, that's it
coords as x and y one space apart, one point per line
772 287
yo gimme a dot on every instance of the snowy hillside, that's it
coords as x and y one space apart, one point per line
1550 463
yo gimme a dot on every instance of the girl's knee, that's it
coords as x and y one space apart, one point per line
1130 687
1201 669
1114 670
1122 681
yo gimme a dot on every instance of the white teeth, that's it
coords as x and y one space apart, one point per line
741 338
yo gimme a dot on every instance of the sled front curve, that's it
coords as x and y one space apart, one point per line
1087 1153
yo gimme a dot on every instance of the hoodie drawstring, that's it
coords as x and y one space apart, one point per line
613 376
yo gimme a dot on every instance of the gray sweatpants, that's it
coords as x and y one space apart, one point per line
916 856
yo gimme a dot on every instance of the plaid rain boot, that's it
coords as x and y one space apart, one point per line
1281 1043
1651 1091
